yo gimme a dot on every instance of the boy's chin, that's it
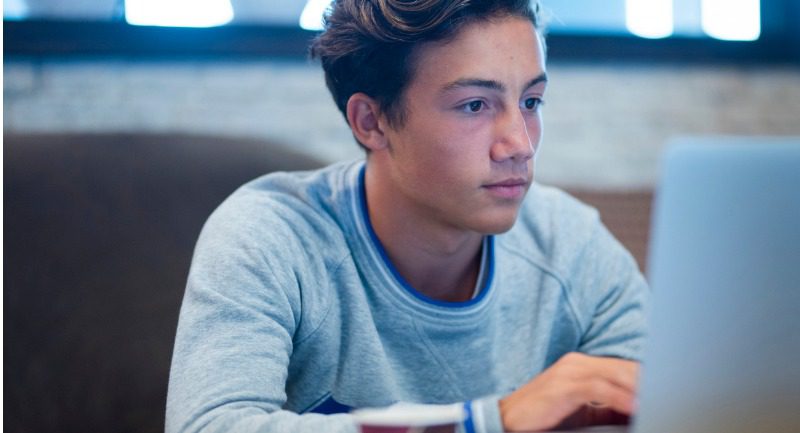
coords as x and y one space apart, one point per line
498 225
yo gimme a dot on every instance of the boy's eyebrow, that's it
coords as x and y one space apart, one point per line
542 78
489 84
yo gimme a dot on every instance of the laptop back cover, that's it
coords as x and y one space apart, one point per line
724 347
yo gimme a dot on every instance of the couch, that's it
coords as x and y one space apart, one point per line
99 231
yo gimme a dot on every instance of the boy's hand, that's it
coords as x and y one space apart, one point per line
577 390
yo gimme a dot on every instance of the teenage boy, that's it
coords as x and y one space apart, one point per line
434 271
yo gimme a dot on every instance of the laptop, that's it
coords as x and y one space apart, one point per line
723 355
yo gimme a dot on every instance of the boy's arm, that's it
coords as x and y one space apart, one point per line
601 379
235 338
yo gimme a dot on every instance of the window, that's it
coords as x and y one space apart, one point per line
720 19
674 30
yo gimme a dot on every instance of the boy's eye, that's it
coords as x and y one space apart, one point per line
532 103
474 106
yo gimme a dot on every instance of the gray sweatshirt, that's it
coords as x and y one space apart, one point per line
294 315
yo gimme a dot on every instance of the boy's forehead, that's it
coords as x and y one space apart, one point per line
481 50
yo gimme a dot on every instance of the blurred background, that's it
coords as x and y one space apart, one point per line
625 75
127 121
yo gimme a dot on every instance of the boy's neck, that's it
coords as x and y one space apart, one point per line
442 264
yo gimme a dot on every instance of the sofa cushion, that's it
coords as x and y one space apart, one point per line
99 231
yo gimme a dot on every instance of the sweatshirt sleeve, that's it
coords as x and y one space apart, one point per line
611 295
240 313
609 298
483 416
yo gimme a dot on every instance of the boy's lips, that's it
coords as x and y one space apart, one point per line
511 188
510 182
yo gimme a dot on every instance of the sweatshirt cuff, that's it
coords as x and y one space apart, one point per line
483 416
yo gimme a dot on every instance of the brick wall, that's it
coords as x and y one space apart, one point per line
605 124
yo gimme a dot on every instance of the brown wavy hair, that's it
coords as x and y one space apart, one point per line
369 45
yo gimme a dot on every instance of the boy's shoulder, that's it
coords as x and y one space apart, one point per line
552 226
548 207
285 207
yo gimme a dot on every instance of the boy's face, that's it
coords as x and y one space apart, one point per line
463 158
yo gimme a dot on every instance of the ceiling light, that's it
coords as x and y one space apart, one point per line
649 18
311 18
178 13
732 20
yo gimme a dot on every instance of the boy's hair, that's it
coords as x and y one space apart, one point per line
369 45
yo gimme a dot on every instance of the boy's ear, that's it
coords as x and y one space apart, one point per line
363 114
